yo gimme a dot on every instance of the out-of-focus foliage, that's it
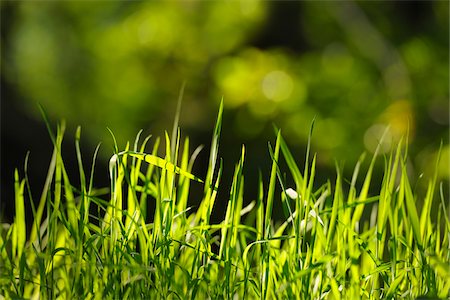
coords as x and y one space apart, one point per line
357 67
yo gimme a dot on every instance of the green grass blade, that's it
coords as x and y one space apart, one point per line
214 150
19 218
306 170
91 177
290 161
425 220
411 205
48 181
162 163
271 189
177 118
393 288
337 202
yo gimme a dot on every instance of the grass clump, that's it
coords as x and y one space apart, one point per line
323 249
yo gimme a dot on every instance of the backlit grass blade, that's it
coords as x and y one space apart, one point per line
162 163
214 149
387 193
229 221
177 119
410 202
306 169
19 218
147 181
207 209
113 217
133 207
132 176
72 211
183 183
84 207
259 216
267 274
290 161
392 291
271 189
238 198
48 181
337 202
365 188
209 191
425 220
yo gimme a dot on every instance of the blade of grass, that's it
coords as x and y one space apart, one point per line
177 118
271 189
19 218
337 202
266 269
162 163
410 205
425 220
38 216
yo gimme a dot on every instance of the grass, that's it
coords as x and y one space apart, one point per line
86 245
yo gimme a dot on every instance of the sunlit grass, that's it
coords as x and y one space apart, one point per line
322 249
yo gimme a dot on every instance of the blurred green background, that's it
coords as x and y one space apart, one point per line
356 67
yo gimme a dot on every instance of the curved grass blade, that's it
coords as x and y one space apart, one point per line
161 163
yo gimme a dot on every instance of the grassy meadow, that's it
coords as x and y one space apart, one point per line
337 240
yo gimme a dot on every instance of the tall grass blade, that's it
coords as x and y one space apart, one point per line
271 189
19 218
410 205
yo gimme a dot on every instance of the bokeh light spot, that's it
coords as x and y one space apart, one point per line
235 79
400 117
417 55
373 136
277 86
